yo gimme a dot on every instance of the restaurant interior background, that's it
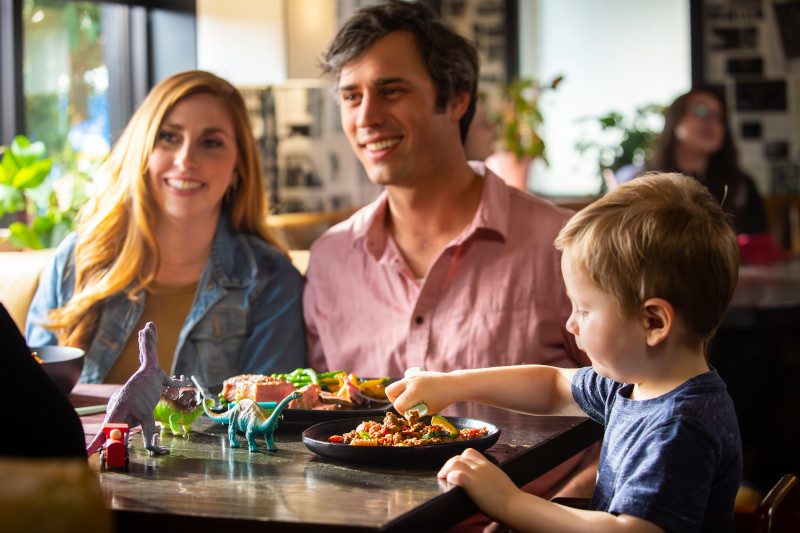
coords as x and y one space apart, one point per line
71 73
74 71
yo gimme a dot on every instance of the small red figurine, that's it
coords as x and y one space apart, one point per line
115 452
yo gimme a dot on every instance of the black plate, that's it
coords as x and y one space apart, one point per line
315 416
316 439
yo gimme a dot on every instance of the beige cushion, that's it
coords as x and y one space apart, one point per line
19 277
299 260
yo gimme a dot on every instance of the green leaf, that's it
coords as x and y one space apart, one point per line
9 166
33 175
11 200
26 152
57 234
43 224
24 237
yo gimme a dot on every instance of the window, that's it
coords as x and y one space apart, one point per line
72 72
66 80
615 55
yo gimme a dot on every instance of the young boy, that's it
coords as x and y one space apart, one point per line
650 269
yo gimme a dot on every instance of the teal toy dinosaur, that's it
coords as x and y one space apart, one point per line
251 419
178 411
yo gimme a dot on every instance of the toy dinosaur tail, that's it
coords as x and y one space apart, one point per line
219 417
96 443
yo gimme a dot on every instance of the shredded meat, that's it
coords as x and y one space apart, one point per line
395 431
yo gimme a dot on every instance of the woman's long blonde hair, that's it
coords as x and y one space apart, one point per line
115 249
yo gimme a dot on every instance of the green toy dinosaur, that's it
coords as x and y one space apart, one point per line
178 411
251 419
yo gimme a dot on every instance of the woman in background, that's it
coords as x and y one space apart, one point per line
176 234
696 141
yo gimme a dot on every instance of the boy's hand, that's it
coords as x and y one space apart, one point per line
434 389
488 486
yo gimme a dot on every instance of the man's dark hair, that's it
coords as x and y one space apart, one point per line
450 59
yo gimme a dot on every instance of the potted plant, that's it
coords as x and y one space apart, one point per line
625 140
45 208
520 120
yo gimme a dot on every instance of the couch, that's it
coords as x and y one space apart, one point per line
19 277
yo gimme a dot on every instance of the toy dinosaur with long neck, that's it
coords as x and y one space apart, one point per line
133 403
251 419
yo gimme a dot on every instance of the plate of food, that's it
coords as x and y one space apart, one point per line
326 396
394 441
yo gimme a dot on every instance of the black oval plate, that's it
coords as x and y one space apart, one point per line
316 439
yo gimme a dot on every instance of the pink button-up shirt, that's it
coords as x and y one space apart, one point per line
494 296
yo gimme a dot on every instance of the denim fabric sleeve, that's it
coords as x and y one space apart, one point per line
54 290
277 342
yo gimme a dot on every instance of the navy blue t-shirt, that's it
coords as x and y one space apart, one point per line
675 460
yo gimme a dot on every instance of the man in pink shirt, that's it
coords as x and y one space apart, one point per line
492 296
449 268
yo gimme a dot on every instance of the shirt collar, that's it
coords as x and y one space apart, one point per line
232 261
494 207
491 215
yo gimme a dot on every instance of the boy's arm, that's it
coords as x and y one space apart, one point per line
497 496
535 389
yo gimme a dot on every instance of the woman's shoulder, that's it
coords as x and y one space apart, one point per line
67 244
65 249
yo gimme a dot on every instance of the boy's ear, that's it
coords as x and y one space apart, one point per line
659 318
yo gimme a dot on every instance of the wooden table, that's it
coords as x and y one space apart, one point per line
204 482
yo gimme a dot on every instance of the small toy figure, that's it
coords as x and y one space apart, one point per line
115 452
134 402
178 411
251 419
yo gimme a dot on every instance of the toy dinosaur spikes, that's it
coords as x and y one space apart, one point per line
133 403
251 419
178 411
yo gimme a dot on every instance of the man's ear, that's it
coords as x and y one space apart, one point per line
459 105
659 318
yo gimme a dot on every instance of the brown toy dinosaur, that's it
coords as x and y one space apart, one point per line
134 402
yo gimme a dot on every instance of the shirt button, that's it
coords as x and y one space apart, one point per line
419 319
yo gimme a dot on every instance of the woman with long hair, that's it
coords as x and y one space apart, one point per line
696 141
176 234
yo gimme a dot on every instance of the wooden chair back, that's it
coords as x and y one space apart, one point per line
778 512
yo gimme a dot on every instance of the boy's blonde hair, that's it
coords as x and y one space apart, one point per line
660 235
115 233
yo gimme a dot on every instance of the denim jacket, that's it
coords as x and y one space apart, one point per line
246 316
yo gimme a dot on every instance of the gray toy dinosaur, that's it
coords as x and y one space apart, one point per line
252 419
133 403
